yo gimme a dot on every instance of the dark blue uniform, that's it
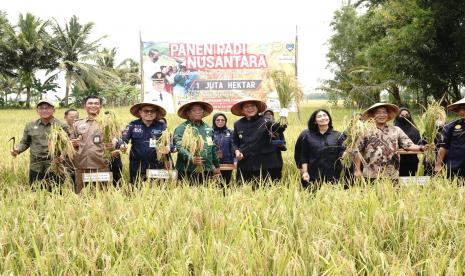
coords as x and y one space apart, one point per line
454 143
143 154
223 139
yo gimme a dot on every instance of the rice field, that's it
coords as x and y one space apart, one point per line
176 229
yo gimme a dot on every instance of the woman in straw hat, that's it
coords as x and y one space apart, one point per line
379 148
143 134
187 162
453 146
256 155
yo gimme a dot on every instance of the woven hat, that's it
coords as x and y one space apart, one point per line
455 107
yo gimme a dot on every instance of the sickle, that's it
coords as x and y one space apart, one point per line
14 141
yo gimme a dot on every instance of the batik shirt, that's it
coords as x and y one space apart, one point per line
380 151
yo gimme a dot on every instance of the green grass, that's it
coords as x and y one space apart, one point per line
379 229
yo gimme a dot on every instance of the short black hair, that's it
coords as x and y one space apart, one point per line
69 110
312 126
93 97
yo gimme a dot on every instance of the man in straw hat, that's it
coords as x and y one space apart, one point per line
379 148
35 137
256 155
453 146
187 162
143 134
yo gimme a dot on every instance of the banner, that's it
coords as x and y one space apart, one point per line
218 73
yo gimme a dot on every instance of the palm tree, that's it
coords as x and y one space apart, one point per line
7 52
76 55
32 49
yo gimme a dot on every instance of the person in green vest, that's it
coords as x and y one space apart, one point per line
187 163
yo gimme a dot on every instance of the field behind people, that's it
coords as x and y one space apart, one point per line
278 229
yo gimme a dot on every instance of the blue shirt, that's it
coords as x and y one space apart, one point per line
140 135
454 143
223 141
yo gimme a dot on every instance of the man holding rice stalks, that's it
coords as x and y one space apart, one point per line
35 137
453 146
88 140
256 154
379 148
197 160
143 134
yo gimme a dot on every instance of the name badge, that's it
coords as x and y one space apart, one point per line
97 177
419 180
152 142
209 141
162 174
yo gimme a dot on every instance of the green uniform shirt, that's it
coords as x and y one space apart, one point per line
35 137
184 159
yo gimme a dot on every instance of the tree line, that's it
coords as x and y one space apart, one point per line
32 45
412 50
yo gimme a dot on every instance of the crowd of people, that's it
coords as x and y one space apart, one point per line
253 147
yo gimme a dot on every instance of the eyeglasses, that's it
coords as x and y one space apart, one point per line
147 111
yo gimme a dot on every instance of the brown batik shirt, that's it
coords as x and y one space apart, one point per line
89 154
380 151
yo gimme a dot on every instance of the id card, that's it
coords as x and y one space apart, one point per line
152 142
209 141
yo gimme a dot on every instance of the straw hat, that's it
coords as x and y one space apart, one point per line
456 106
161 112
236 109
183 109
391 108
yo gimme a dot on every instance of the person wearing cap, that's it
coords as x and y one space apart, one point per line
186 163
87 139
453 144
222 137
379 148
159 95
143 134
278 140
35 138
255 152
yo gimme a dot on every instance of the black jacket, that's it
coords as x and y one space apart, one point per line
322 153
252 138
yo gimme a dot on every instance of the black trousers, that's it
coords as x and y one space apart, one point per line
273 174
49 180
195 178
226 176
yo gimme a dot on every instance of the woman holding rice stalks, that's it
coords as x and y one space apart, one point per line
408 162
379 148
197 160
144 134
222 137
255 152
321 151
453 146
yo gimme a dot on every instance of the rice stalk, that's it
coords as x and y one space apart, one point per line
60 150
193 142
433 113
163 146
111 129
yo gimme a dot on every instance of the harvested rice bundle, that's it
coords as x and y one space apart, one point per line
163 146
193 143
288 91
356 130
434 113
60 150
111 130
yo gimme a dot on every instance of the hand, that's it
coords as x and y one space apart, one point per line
14 152
357 173
109 146
124 148
306 176
115 153
75 142
437 168
239 155
197 160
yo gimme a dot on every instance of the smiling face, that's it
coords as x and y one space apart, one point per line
322 119
45 111
148 113
249 109
220 121
381 115
461 111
